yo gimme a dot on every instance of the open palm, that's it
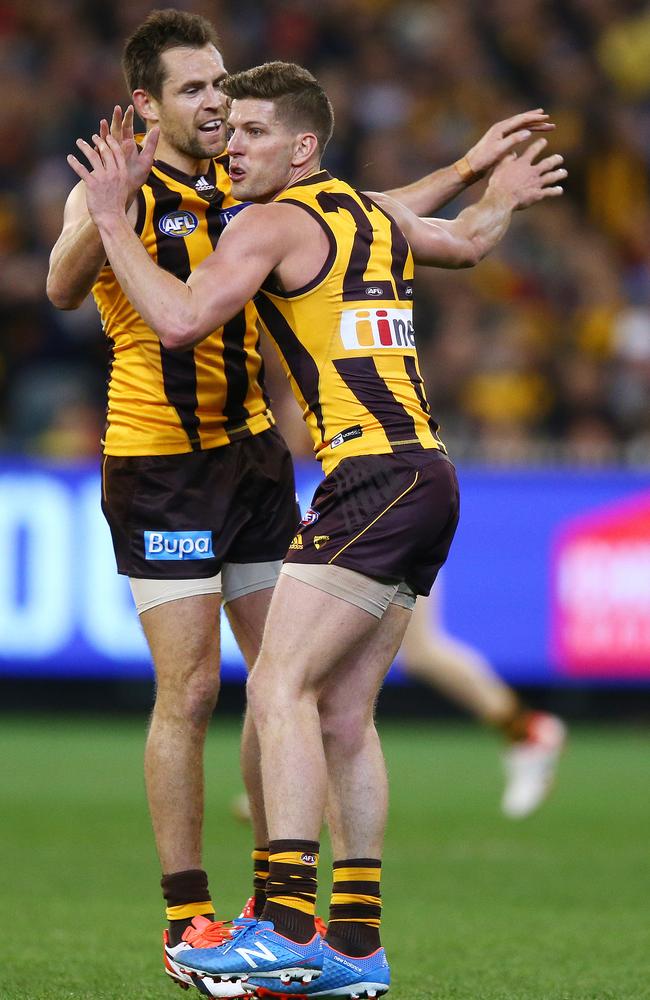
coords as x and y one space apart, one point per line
121 129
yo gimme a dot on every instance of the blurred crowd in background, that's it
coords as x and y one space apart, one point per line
540 354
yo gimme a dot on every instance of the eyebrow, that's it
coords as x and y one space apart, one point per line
201 83
249 122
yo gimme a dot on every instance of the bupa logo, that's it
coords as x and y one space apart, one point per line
178 545
178 223
377 328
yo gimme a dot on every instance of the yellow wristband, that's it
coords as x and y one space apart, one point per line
465 171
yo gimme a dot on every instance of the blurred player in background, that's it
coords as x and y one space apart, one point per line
313 688
461 672
191 457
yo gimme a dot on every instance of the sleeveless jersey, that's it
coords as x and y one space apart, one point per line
162 402
346 339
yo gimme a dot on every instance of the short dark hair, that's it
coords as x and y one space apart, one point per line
162 30
298 96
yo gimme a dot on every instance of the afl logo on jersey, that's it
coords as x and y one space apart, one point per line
178 223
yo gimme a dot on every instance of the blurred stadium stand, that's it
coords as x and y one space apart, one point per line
540 357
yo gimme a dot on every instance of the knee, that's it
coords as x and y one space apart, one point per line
346 728
190 699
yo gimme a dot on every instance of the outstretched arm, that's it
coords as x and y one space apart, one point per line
462 242
79 255
182 314
430 193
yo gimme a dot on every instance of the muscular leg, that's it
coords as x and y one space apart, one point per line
358 786
183 636
458 670
307 633
247 616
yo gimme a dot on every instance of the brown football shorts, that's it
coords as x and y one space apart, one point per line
182 516
390 517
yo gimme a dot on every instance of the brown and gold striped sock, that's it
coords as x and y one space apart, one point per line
187 896
260 858
515 726
291 888
355 907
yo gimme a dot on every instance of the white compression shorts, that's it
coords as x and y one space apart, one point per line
363 591
235 580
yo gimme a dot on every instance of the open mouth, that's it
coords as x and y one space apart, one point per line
235 172
211 127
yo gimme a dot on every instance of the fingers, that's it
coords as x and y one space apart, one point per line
105 153
551 170
551 163
116 122
147 153
527 119
78 167
105 158
93 155
151 141
127 124
514 139
111 152
553 177
534 150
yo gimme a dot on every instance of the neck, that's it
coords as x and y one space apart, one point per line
299 174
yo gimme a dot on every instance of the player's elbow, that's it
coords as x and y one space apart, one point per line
178 335
470 254
174 340
480 249
60 296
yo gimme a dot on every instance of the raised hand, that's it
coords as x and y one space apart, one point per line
109 182
121 129
524 180
501 139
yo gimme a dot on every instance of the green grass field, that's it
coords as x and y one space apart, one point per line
476 907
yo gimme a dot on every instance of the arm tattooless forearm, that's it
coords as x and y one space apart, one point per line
426 195
165 303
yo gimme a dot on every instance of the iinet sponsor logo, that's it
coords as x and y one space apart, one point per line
601 599
377 328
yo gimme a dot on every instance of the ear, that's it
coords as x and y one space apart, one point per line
305 148
146 106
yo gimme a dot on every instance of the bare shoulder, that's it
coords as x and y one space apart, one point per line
272 222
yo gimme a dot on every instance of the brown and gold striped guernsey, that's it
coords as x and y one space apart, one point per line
346 340
162 402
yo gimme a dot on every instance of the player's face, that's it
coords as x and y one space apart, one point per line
261 150
192 109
